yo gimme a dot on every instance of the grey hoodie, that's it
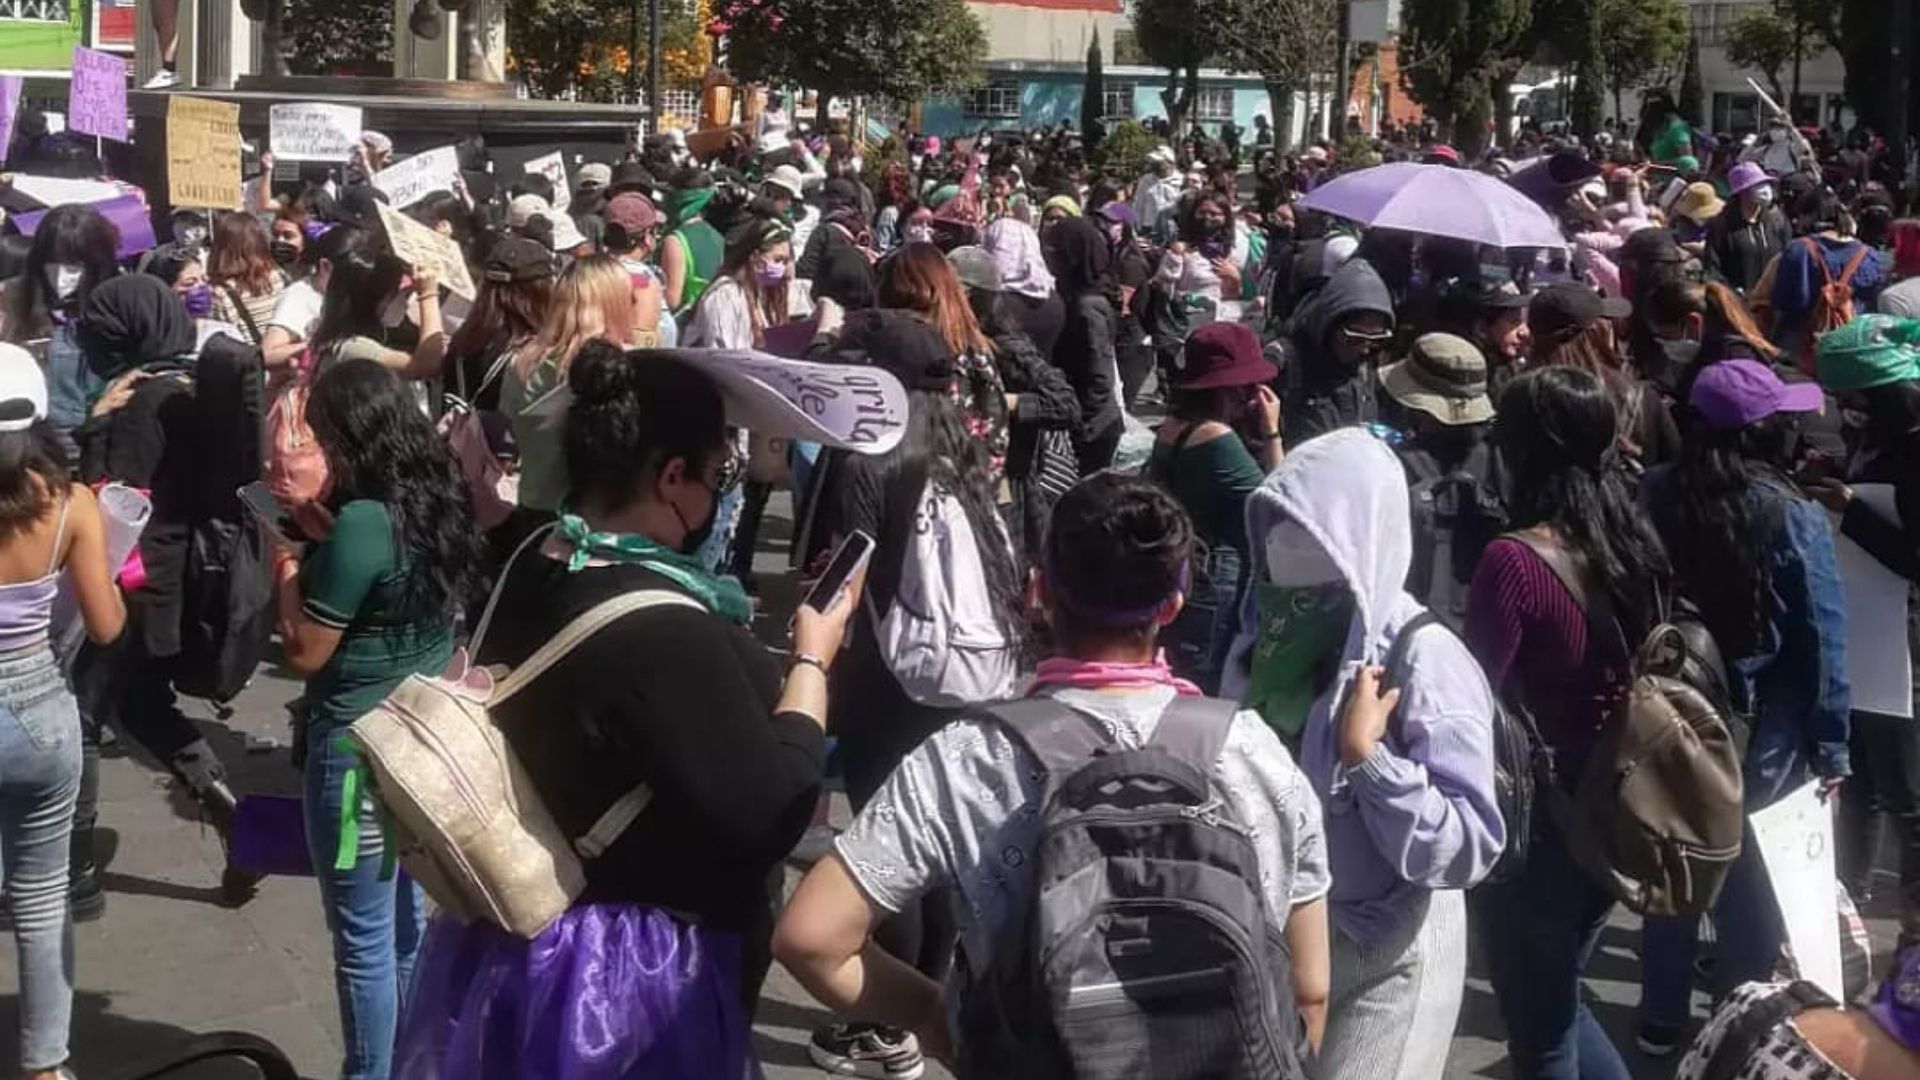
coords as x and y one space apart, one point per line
1318 393
1420 812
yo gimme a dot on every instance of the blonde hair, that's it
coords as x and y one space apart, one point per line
592 299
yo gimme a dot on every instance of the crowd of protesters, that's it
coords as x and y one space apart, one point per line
1381 491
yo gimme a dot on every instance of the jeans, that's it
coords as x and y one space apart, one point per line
1202 634
376 920
1540 929
39 778
1885 781
1747 939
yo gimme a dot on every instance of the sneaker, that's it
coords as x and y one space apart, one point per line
867 1050
1660 1040
162 80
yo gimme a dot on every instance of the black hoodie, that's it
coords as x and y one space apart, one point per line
1318 393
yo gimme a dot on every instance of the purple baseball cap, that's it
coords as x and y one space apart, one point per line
1897 1008
1735 393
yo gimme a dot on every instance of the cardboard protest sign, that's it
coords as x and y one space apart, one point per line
1795 837
554 167
203 153
131 219
310 131
97 95
427 251
419 176
9 110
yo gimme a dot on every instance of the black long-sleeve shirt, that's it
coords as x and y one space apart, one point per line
674 697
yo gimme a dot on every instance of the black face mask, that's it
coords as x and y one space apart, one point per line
284 252
696 535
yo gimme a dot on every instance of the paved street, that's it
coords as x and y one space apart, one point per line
168 961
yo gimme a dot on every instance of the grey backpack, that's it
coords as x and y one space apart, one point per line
1148 949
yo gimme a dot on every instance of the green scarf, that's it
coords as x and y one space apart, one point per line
687 204
722 595
1299 629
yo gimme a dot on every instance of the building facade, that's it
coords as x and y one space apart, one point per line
1731 104
1036 68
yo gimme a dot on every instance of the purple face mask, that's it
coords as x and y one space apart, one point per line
199 300
772 273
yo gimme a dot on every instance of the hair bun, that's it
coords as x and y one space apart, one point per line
600 374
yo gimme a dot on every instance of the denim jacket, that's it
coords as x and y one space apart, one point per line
1793 687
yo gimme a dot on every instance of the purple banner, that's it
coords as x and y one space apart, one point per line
97 102
129 215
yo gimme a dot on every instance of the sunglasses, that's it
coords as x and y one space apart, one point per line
1368 338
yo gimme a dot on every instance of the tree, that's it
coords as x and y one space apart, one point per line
1760 39
576 49
1287 42
1692 94
1452 55
1093 100
1641 38
899 49
1181 36
339 37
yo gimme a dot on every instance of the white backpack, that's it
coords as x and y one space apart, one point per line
941 638
463 817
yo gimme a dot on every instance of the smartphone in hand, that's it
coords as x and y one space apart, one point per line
848 558
273 517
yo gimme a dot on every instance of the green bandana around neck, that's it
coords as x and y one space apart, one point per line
722 595
1300 627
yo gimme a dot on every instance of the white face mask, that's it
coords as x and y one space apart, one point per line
1296 559
65 279
1763 195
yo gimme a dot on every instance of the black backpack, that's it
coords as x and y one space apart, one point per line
1147 949
1456 513
1520 758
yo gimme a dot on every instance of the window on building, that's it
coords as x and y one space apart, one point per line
1736 113
1214 104
1116 101
999 99
35 11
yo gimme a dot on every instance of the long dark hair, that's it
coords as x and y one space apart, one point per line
33 473
72 234
1717 534
361 283
1557 434
380 446
938 447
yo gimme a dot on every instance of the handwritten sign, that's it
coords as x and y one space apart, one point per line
419 176
97 97
9 110
310 131
203 153
554 167
1795 837
863 409
427 251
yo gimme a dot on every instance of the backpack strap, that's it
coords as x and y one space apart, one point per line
1058 735
1745 1033
1852 267
1194 729
594 620
1398 661
1818 258
240 308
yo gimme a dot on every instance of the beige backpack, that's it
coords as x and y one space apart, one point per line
463 817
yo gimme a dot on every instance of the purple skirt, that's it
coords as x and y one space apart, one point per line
608 992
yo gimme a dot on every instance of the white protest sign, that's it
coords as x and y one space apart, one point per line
427 251
1879 665
419 176
1795 837
553 167
847 406
310 131
56 190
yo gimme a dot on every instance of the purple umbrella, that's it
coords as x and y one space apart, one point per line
1437 200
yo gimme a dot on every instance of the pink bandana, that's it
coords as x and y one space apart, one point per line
1099 675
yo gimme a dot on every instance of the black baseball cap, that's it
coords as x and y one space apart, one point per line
1561 311
516 258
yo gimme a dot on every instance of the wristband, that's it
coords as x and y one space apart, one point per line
803 659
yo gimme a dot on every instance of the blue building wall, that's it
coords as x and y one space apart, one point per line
1049 98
